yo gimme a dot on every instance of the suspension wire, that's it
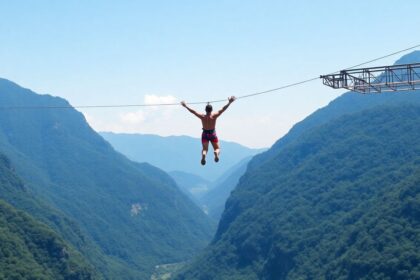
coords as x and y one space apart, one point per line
204 102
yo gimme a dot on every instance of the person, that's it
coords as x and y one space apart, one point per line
209 128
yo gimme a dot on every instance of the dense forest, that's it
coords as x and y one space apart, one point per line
341 201
30 249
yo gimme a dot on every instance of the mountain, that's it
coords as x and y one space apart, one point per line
214 200
340 202
335 198
134 213
413 57
14 191
161 152
30 249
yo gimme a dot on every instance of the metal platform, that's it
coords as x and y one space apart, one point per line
376 79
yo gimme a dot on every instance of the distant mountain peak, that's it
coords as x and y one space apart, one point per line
412 57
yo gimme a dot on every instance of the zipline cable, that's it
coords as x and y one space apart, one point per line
204 102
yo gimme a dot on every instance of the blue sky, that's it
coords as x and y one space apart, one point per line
122 52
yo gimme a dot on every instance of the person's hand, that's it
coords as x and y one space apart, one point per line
231 99
183 104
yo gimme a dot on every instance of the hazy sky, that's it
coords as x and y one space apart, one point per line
122 52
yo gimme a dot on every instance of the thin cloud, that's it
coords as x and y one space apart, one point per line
146 119
136 117
151 99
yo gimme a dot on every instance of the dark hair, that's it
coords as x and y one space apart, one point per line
209 108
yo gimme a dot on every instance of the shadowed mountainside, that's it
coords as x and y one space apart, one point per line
133 212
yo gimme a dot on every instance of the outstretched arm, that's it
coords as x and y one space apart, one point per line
231 99
191 110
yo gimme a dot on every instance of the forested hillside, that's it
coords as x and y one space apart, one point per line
134 213
341 201
28 248
14 191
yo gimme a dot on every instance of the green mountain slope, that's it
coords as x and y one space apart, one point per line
133 212
340 202
14 192
28 248
161 152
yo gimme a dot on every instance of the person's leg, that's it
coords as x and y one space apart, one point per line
216 148
204 152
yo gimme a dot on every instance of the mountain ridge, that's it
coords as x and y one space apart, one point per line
133 212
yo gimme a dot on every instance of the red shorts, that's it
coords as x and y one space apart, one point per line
209 135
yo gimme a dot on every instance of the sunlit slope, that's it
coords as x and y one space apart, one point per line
341 201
